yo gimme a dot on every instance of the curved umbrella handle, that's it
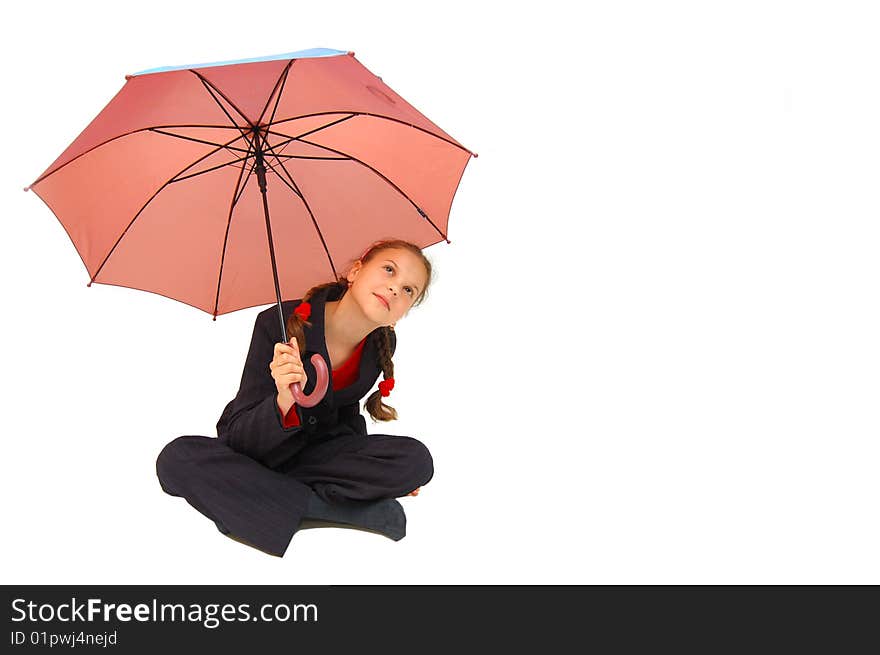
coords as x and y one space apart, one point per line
320 384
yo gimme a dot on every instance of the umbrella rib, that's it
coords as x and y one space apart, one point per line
383 117
308 209
242 159
122 136
282 156
290 185
209 143
289 139
234 126
232 204
209 87
208 170
312 131
219 147
282 79
151 198
241 190
393 185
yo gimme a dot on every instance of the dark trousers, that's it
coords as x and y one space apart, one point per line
265 506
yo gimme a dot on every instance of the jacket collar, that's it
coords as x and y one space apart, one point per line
315 343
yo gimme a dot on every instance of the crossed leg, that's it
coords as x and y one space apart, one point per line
357 467
264 507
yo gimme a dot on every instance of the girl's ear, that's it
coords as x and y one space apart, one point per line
352 274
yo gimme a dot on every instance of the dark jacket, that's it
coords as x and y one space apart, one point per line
251 422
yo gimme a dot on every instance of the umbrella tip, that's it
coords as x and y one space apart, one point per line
475 155
448 241
128 77
89 284
27 188
350 53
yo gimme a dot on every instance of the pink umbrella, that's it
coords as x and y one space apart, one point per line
169 188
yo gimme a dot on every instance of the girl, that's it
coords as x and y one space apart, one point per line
277 467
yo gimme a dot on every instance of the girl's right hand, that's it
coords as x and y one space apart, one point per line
287 367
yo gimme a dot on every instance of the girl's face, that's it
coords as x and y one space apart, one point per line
388 285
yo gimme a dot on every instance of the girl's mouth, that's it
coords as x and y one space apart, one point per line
382 300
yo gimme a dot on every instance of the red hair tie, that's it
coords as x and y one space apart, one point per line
385 386
304 310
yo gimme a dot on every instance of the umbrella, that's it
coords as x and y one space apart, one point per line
169 189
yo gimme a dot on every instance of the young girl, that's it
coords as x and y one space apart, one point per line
277 467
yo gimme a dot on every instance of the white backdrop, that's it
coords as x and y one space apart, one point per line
650 354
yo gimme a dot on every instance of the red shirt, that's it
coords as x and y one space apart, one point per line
341 377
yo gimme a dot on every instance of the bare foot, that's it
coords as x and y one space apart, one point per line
414 493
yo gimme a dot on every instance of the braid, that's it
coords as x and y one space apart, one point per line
295 323
374 405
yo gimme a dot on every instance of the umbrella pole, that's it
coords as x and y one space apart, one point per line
322 380
261 180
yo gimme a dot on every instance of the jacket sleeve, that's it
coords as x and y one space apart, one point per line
291 418
252 423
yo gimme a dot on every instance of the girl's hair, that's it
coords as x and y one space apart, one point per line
374 405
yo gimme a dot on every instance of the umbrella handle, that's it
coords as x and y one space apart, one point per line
320 384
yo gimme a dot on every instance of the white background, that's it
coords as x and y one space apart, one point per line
650 354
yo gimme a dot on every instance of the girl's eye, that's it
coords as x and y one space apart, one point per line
388 267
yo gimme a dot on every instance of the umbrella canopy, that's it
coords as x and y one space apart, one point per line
191 176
